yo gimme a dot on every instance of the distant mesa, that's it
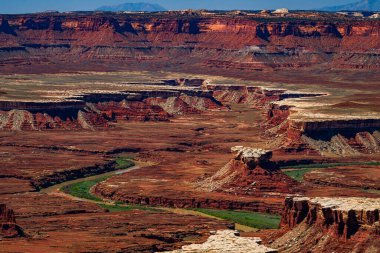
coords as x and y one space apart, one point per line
281 11
133 7
363 5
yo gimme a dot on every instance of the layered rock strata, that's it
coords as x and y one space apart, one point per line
350 139
215 40
328 134
320 224
254 96
98 110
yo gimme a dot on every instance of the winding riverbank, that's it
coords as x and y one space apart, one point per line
63 189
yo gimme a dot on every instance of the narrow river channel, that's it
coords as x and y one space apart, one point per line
56 189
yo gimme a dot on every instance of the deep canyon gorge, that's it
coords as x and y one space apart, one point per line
228 111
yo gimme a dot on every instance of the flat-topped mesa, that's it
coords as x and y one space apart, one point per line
253 157
328 134
250 172
193 82
8 226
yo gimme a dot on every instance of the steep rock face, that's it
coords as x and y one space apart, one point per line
332 135
277 118
331 127
8 226
257 97
339 224
356 143
249 173
216 41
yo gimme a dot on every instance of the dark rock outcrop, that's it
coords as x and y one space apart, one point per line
8 226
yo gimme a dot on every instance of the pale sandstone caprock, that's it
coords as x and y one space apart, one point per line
251 153
227 241
345 203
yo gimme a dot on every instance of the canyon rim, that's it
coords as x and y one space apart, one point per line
190 131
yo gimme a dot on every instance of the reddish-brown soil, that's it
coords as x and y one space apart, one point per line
184 149
23 164
54 223
186 133
359 176
198 141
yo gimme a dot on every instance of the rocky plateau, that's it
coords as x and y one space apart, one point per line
270 112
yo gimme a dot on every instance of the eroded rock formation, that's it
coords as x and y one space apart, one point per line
325 224
215 40
357 143
8 226
254 96
91 111
250 173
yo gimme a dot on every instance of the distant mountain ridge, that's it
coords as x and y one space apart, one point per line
141 6
363 5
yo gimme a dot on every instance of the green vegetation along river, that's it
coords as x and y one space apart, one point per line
80 189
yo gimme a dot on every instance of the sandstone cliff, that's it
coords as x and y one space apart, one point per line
224 41
342 135
330 224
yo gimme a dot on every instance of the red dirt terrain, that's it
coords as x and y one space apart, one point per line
277 91
75 226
